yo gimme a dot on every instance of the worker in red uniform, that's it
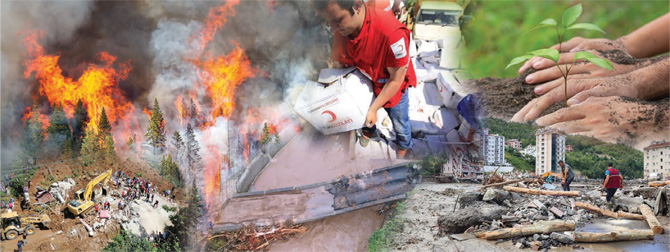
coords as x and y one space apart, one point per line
612 181
377 44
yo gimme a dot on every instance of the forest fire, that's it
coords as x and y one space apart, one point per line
97 87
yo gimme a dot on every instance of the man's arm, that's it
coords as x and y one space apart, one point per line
397 75
607 180
650 39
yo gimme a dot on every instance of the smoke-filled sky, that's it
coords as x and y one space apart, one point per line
282 39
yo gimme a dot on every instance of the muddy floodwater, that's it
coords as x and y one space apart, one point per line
309 159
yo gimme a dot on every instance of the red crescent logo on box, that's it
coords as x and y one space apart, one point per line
332 115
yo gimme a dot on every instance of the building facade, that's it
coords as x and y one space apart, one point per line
492 149
657 159
513 143
549 149
568 148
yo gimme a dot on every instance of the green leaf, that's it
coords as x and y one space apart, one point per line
551 54
545 23
586 26
571 14
518 60
594 59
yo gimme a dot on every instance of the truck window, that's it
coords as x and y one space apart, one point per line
438 17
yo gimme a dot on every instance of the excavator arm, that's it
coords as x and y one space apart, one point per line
89 187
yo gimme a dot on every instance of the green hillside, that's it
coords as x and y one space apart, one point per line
590 156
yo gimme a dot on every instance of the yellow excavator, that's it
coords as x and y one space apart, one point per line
551 176
82 203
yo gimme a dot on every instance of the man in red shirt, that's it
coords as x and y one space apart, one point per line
377 44
612 181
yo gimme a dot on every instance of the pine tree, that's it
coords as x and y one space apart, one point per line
58 130
178 144
33 134
108 148
104 128
156 132
193 157
265 137
79 125
130 144
170 170
89 147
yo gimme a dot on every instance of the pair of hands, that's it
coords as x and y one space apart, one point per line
592 91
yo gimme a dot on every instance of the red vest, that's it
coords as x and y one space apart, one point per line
371 49
615 179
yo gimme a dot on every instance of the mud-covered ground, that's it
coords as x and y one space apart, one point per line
420 229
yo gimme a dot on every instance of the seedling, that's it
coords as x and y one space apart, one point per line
567 23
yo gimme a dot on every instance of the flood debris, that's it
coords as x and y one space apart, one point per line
541 227
624 235
252 238
651 219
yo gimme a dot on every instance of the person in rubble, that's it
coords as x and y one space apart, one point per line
612 181
377 44
567 174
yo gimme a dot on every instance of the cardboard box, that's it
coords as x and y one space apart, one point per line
338 106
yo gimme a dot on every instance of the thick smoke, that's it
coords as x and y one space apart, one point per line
58 20
282 39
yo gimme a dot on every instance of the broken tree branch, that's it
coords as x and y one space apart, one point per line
596 209
651 219
540 227
541 192
625 235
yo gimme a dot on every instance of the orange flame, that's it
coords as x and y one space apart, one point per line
97 87
28 113
215 19
220 77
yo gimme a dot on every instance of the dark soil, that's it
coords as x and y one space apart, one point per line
502 98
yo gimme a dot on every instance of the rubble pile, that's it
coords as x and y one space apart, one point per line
493 211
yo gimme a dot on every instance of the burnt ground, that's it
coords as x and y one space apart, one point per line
503 97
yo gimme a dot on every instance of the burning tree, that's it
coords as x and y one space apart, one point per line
33 133
156 132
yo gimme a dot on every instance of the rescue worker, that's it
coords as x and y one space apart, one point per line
567 174
612 181
377 44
